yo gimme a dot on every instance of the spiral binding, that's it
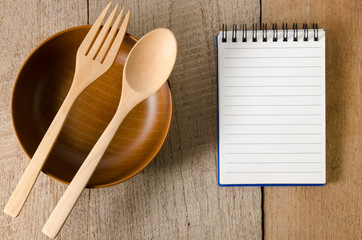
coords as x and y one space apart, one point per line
305 30
285 32
245 28
275 32
224 32
265 32
295 32
234 33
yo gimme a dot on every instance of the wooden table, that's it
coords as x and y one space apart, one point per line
177 196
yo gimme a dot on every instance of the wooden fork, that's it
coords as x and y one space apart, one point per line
95 56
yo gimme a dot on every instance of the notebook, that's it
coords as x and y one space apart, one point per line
271 106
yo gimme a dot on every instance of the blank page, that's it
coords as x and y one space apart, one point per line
271 110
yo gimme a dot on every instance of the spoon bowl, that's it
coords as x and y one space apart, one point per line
147 67
151 63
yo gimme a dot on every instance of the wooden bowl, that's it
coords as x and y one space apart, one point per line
40 88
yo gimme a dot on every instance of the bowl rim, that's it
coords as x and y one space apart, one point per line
138 170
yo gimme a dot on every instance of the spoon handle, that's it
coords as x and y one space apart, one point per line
80 180
31 173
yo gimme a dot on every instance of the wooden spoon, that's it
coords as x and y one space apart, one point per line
147 68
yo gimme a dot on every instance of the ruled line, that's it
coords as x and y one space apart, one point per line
237 134
275 67
271 143
272 105
273 153
289 95
303 114
245 86
276 172
266 124
243 57
271 47
290 76
273 162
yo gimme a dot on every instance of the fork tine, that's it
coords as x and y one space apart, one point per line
102 35
110 37
113 51
86 44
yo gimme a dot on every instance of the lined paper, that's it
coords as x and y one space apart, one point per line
271 103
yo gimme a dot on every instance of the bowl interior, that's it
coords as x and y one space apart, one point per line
40 89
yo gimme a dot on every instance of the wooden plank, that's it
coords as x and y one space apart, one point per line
177 196
24 25
332 211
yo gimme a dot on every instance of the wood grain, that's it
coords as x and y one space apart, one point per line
24 25
177 196
332 211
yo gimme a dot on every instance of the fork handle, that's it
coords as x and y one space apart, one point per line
80 180
31 173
